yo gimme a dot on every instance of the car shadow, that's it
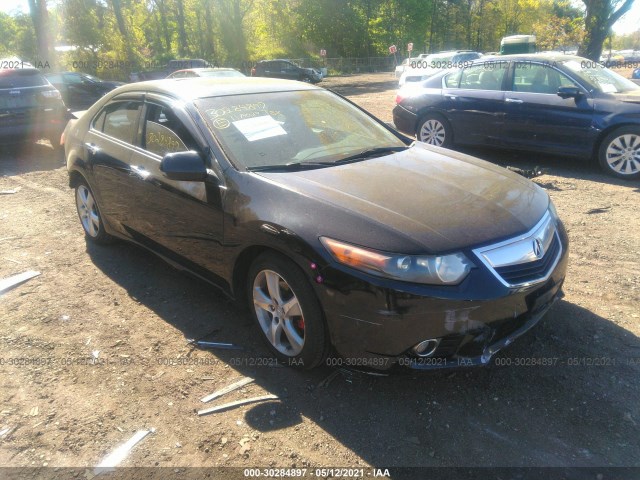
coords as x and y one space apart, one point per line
565 394
564 167
365 88
19 158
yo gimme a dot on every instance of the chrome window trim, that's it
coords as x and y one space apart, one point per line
530 235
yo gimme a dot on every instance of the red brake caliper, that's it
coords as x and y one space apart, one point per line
301 323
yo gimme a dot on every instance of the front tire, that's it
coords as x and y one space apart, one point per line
619 153
89 215
286 311
435 130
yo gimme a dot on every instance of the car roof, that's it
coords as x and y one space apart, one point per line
66 72
551 57
189 89
207 69
28 69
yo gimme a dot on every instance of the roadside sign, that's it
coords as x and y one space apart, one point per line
393 49
410 47
323 53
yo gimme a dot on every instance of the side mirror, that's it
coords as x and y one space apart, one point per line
184 166
569 92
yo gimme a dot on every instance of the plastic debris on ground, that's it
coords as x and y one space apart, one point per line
120 453
13 281
229 388
227 406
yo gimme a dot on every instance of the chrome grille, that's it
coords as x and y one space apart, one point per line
531 271
527 259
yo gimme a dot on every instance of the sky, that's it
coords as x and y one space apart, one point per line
629 23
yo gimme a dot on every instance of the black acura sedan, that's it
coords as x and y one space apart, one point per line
558 104
342 235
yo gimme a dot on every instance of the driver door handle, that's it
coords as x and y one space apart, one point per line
513 100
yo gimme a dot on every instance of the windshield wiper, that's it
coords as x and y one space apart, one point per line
289 167
304 165
368 153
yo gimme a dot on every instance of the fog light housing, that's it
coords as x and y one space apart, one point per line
426 348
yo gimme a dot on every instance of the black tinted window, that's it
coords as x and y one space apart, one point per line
120 120
17 78
72 78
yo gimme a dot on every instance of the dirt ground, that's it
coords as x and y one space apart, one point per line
95 349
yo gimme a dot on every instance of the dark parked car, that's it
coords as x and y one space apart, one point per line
30 107
206 72
291 198
562 105
285 69
80 90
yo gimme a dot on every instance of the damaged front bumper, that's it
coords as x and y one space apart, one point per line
456 360
377 324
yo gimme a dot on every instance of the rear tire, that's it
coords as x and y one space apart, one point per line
89 215
287 311
434 129
619 153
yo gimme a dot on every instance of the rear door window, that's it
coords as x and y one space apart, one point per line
119 120
484 76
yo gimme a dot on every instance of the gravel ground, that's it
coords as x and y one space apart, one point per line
94 349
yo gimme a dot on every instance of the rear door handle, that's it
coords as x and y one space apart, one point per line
451 97
92 148
513 100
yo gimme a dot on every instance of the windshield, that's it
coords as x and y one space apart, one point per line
292 128
600 77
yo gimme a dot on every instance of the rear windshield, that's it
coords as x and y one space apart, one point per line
20 78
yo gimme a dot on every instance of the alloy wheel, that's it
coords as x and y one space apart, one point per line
279 313
88 211
623 154
432 132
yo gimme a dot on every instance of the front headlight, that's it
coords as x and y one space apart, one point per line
430 269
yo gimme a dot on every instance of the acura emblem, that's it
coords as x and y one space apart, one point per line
538 249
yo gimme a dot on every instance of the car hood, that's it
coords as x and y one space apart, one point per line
439 199
629 97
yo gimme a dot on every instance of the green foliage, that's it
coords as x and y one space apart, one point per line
145 34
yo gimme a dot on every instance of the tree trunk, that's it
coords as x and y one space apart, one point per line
210 49
40 19
124 31
163 19
182 33
599 19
